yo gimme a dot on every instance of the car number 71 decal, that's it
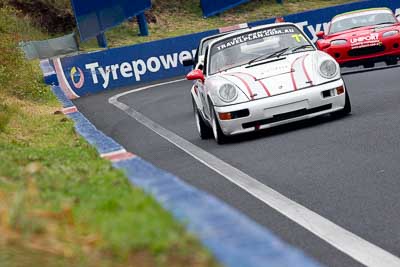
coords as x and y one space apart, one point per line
299 37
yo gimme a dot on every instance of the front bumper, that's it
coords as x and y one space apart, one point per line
281 109
390 48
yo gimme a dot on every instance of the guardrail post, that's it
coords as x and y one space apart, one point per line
144 30
102 40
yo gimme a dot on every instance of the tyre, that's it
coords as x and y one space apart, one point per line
369 65
205 132
391 61
219 136
347 107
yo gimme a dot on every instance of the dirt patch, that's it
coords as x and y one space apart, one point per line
150 16
49 18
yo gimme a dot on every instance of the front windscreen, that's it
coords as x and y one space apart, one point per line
362 19
247 47
206 43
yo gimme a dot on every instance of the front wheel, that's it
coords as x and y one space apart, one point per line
391 61
203 129
219 136
369 64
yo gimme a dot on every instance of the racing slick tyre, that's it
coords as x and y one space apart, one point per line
219 136
205 132
346 110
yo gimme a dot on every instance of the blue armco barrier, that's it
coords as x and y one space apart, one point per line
212 7
143 27
127 66
49 74
102 40
234 239
96 16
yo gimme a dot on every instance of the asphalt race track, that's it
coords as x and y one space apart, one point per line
346 170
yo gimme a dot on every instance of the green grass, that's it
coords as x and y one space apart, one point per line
41 152
19 77
60 203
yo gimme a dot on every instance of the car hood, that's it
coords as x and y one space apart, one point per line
277 76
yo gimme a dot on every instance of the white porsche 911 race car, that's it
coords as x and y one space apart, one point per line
264 77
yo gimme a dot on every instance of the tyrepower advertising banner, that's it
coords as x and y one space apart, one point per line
127 66
212 7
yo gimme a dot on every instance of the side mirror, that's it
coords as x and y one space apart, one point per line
320 34
195 75
324 45
188 61
398 17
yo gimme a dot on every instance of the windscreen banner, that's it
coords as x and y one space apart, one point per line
96 16
131 65
212 7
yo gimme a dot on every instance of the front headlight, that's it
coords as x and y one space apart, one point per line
338 42
228 92
328 69
390 33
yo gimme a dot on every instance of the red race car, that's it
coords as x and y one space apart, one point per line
362 37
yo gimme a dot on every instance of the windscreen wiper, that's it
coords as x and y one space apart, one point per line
387 22
355 27
301 47
274 54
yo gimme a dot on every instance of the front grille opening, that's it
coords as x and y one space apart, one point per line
286 116
240 113
327 93
366 51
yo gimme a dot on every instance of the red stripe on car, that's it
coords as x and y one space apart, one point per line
292 73
244 82
259 81
305 70
265 87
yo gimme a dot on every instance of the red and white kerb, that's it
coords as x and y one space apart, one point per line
118 155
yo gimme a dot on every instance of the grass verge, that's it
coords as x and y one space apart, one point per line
60 204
